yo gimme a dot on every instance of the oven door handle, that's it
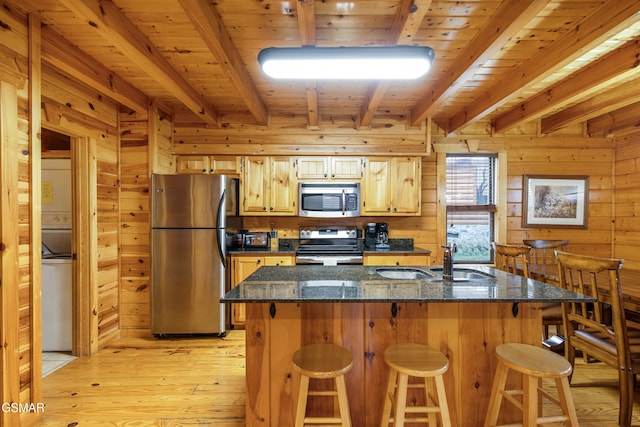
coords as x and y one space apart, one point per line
344 202
329 260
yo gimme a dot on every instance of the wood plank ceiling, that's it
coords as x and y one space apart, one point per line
509 62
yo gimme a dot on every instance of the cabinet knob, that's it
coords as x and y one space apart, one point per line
388 209
264 208
395 209
204 171
258 261
271 208
397 262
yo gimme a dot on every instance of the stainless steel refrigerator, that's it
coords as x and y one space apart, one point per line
191 217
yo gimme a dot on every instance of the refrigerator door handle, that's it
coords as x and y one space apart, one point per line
220 227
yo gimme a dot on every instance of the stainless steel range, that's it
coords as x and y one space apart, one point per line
329 245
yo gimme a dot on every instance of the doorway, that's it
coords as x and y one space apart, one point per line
84 244
57 250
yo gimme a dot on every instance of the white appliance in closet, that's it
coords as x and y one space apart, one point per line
57 271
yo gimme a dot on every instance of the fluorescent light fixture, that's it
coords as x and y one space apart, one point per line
388 63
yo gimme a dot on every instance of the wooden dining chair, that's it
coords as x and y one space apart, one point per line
542 253
542 250
512 258
587 330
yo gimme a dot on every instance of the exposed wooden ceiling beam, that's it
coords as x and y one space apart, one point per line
611 100
512 16
604 22
312 105
307 22
66 57
209 24
616 121
307 27
404 27
615 64
105 17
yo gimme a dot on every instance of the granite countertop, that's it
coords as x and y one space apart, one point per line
290 246
356 283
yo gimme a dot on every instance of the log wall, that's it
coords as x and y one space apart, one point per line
627 200
526 153
73 109
139 133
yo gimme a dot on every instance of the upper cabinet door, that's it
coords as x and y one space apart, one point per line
349 168
406 188
391 186
283 186
316 167
376 195
254 185
192 164
268 186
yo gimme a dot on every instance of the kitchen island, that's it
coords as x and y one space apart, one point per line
366 309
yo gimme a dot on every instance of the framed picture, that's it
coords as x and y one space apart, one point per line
555 201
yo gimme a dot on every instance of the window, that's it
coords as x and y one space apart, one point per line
471 205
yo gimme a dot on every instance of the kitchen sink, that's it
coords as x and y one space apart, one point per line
338 289
464 273
404 273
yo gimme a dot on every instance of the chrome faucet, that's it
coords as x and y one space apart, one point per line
447 266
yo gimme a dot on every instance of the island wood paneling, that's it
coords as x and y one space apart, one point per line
467 333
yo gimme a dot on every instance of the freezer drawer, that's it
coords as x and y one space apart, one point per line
187 282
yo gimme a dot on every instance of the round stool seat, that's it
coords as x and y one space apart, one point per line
531 360
416 360
322 360
533 363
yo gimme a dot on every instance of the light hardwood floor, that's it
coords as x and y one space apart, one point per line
200 382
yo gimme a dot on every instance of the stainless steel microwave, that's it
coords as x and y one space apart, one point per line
329 199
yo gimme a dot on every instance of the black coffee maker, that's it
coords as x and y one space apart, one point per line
370 235
382 235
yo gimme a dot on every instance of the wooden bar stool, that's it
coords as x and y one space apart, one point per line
534 363
415 360
322 361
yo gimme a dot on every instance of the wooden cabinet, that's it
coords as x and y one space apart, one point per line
329 167
268 186
242 267
397 259
391 186
221 165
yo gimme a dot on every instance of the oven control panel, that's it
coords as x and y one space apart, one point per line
328 233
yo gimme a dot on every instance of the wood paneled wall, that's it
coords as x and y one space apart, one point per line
627 200
73 109
526 153
145 146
